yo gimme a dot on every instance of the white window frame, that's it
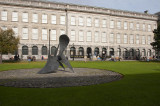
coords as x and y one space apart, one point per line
143 39
137 39
131 39
81 36
118 38
53 19
111 38
73 20
62 20
35 18
96 21
81 21
44 18
137 26
104 23
144 27
53 34
112 24
25 17
73 35
44 34
14 16
131 26
96 36
149 28
104 37
89 21
62 31
89 36
149 39
125 25
4 15
24 33
15 29
125 38
35 33
119 25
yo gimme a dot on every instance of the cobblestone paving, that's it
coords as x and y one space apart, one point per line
29 78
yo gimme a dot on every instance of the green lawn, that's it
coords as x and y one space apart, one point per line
139 87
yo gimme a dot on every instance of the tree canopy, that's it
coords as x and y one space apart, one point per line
8 42
156 43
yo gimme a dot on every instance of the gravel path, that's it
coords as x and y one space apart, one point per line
29 78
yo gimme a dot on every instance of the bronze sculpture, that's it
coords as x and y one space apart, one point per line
53 62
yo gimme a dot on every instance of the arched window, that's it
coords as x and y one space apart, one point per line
89 52
25 50
72 51
131 52
149 52
143 52
96 51
53 50
81 51
104 51
44 50
125 53
119 52
34 50
111 52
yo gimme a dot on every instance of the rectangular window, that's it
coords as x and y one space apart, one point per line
53 34
144 27
149 28
35 33
155 26
62 20
25 17
80 21
4 15
104 23
35 18
118 38
14 16
111 38
104 37
137 39
112 24
96 36
15 29
73 21
44 18
143 39
131 26
118 25
53 19
137 26
131 39
44 34
81 36
125 25
125 38
73 35
4 28
24 33
149 39
89 22
62 32
96 21
89 36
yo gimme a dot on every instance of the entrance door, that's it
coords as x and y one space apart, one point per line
89 52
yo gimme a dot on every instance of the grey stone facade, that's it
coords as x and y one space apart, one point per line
120 33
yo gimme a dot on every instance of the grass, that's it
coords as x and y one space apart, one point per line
139 87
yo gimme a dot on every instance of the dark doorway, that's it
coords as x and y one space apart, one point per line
89 52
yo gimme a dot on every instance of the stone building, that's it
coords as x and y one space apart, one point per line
92 30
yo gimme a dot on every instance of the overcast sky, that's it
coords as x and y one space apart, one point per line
152 6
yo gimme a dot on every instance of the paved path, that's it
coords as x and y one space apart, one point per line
28 78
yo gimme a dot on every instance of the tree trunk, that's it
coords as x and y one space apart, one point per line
0 58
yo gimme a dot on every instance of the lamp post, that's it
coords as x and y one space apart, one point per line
73 51
49 42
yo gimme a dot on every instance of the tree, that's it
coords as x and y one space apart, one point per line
8 42
156 43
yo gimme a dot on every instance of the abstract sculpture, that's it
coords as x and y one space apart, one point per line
53 62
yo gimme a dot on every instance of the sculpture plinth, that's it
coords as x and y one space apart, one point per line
55 61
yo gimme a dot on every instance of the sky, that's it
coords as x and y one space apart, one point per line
153 6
